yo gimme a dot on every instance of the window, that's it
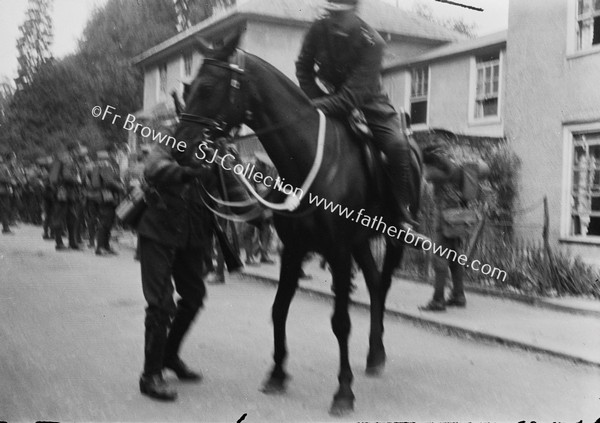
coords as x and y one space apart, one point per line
585 185
187 64
588 24
488 86
162 78
418 95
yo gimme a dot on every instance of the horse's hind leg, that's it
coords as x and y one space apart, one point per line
291 263
376 357
343 400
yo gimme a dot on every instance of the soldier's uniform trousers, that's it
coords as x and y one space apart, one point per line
65 213
167 323
106 220
442 265
5 211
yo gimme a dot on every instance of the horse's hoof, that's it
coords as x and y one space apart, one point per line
342 407
274 386
374 371
375 364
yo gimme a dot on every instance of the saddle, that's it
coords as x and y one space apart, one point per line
375 162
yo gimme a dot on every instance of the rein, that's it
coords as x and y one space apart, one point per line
292 202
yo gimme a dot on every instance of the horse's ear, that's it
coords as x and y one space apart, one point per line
203 47
228 45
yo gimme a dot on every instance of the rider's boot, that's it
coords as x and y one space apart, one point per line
399 170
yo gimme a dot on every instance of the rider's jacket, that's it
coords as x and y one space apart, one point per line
348 64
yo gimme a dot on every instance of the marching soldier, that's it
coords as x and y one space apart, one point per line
66 179
106 178
6 190
454 185
82 161
48 199
18 184
91 199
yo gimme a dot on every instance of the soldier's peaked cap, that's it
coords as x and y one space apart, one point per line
336 5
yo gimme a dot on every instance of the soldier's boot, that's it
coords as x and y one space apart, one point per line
152 382
457 297
58 238
179 328
437 303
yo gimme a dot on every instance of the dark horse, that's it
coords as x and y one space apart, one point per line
223 96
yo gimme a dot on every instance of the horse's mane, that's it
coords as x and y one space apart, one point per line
290 86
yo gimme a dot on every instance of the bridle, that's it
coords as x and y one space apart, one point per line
221 125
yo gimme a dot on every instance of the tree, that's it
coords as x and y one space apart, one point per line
115 34
190 12
34 43
54 107
455 24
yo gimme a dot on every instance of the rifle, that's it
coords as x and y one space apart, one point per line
232 260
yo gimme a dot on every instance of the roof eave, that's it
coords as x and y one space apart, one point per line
428 58
185 38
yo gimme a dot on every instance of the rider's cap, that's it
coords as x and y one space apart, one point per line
336 5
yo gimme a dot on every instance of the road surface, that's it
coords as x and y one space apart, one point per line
71 349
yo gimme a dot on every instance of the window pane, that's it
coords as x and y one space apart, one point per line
418 112
490 107
163 77
419 83
187 64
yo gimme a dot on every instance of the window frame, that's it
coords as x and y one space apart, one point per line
594 15
570 132
426 97
473 120
572 39
163 89
185 57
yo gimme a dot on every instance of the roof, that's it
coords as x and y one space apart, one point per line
496 39
381 16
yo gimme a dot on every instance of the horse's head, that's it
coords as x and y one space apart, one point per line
216 102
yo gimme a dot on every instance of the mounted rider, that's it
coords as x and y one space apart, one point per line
343 55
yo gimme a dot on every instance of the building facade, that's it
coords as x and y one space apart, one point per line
274 30
459 87
553 114
536 85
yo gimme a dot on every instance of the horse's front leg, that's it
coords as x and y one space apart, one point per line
291 263
376 357
393 257
343 400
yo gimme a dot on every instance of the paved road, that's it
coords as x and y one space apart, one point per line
71 350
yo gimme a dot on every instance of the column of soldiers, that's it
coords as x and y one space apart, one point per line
69 196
